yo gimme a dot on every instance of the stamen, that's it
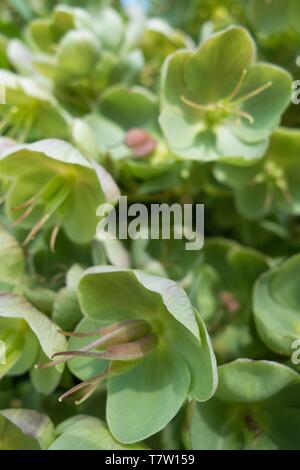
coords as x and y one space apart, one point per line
27 127
36 229
103 331
243 114
52 208
269 200
86 395
239 84
93 382
253 93
22 217
116 334
24 204
198 106
131 351
119 352
53 237
282 185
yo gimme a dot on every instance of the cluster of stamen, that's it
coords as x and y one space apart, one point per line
17 122
229 106
127 341
272 175
52 197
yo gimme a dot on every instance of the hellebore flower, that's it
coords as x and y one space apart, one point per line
270 18
85 53
256 407
158 41
276 307
30 111
154 342
30 337
270 185
218 103
22 429
53 185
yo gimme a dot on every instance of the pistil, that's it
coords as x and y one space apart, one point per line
126 341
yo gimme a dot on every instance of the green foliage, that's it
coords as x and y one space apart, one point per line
138 344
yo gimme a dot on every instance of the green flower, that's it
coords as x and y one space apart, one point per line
157 42
84 53
272 184
155 344
53 185
217 102
29 337
30 111
256 407
22 429
277 305
47 32
274 17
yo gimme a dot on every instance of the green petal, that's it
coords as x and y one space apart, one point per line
15 306
140 295
143 401
87 433
200 359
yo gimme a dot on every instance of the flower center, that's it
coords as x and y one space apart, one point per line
17 121
218 112
127 341
51 198
273 176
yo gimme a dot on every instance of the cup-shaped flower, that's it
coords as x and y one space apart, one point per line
45 33
30 112
157 42
274 18
256 407
52 185
155 344
217 102
29 337
272 184
276 308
